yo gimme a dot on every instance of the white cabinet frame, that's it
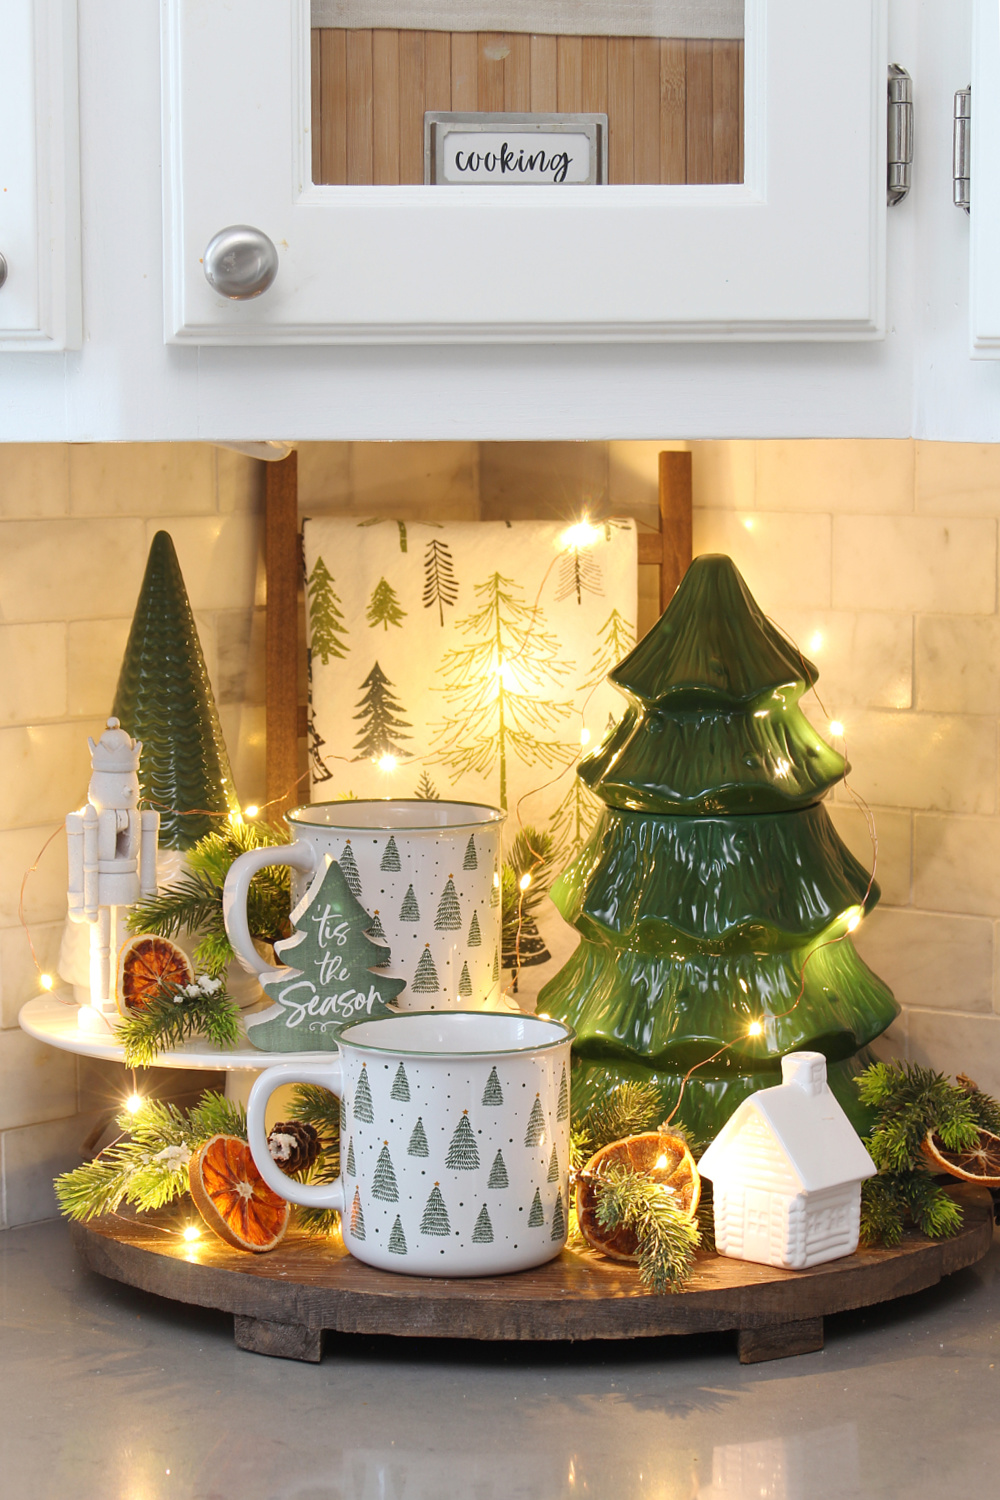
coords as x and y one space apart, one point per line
984 186
40 302
795 252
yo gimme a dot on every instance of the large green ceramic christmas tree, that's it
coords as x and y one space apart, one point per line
164 699
714 873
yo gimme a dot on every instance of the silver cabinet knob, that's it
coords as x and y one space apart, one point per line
240 262
3 270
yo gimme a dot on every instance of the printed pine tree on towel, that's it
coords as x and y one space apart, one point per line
378 711
616 637
500 688
425 980
449 916
327 631
579 574
715 899
331 974
440 586
384 607
463 1153
573 820
318 768
384 1178
435 1219
475 937
426 790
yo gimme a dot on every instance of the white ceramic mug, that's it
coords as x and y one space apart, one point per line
427 872
454 1140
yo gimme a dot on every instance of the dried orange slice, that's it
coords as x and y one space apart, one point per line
144 964
979 1164
233 1198
657 1154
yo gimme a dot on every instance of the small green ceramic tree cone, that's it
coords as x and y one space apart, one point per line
714 885
164 699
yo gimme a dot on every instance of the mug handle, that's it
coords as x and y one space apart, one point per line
329 1075
234 896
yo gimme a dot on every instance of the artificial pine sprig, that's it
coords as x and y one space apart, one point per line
910 1101
175 1012
630 1109
194 902
147 1166
666 1236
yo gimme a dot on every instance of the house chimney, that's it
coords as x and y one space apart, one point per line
807 1070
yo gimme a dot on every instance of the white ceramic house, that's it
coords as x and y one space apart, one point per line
786 1172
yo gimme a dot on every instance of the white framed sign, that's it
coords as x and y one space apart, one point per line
510 150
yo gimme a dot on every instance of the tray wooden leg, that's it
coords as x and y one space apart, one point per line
281 1340
779 1340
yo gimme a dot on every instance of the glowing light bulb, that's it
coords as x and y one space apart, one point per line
524 882
756 1028
749 523
581 534
133 1103
836 728
584 736
251 810
191 1233
816 641
853 917
46 981
496 878
387 763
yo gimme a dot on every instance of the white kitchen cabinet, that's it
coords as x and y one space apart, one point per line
39 172
791 253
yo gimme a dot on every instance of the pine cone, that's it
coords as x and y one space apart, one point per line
294 1145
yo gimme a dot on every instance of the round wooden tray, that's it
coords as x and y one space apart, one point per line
284 1300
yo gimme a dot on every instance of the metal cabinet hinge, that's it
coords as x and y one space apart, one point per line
900 134
960 148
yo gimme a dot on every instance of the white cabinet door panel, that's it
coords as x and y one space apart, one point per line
984 191
39 171
795 252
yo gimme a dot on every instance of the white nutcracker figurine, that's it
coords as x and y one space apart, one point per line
112 861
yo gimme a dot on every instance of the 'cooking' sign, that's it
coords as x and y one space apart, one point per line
508 150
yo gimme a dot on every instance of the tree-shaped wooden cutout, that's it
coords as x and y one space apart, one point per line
334 979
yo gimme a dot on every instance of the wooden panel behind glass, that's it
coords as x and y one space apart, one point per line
675 108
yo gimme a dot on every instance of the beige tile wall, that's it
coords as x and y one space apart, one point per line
75 527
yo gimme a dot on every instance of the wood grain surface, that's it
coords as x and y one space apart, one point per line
674 107
314 1284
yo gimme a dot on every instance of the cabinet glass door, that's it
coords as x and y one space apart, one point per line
744 194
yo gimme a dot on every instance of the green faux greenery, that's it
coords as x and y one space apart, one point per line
909 1101
146 1166
667 1237
194 902
629 1110
318 1107
172 1016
